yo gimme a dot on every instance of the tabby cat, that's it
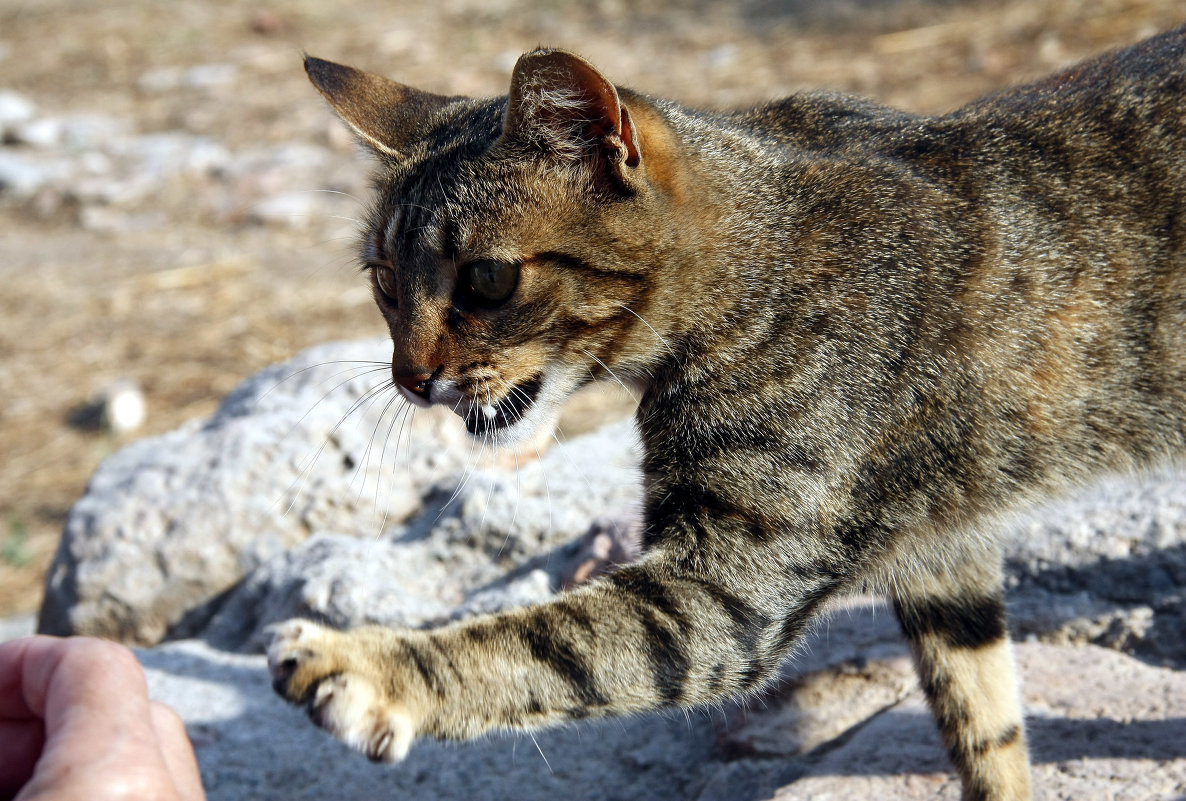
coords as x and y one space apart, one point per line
864 338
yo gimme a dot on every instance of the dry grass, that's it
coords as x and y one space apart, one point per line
190 308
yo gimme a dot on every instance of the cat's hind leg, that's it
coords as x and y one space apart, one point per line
955 621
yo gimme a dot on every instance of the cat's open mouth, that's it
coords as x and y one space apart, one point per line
483 418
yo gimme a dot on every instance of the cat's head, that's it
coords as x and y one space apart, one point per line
519 247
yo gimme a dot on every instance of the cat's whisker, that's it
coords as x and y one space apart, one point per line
547 491
487 437
354 220
364 462
293 488
400 415
410 205
612 374
295 373
518 482
407 423
660 337
541 752
355 198
471 466
331 391
518 500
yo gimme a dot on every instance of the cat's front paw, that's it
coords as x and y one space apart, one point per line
327 672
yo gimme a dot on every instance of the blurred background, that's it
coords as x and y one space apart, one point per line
177 206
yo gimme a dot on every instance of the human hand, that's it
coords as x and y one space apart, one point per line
76 724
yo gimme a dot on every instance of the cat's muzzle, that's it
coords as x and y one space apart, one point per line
483 418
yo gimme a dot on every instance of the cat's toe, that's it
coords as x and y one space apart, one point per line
311 666
350 707
295 660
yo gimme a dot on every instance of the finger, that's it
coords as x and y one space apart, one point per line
12 696
98 729
86 689
178 752
20 746
46 676
99 726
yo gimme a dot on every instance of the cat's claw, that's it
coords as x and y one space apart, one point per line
303 659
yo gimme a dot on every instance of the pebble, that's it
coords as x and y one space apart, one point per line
720 57
24 176
14 109
44 133
291 209
124 407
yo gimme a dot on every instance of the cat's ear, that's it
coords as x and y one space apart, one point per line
385 115
562 104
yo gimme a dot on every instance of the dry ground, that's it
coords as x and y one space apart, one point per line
189 308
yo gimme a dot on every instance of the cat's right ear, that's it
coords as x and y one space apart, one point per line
385 115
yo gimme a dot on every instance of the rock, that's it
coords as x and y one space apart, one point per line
43 133
124 407
482 542
107 220
169 526
805 712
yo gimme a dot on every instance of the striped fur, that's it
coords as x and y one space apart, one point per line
862 339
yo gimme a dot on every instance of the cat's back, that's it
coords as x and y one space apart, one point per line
1113 130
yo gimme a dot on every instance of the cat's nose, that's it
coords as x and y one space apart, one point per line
419 384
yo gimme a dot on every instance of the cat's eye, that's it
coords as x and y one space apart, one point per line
385 280
487 282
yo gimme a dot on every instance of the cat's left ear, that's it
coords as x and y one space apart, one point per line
560 103
387 116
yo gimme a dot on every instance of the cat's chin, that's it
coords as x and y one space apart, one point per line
532 406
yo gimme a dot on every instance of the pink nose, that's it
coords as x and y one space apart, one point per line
416 383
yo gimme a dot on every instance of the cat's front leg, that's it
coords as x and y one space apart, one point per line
647 637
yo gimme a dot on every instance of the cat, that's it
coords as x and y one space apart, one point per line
863 338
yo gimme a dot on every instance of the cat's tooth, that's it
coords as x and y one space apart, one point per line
489 411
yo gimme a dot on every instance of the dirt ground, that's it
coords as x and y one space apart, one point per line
191 304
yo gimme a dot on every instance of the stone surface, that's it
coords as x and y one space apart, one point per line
1107 567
